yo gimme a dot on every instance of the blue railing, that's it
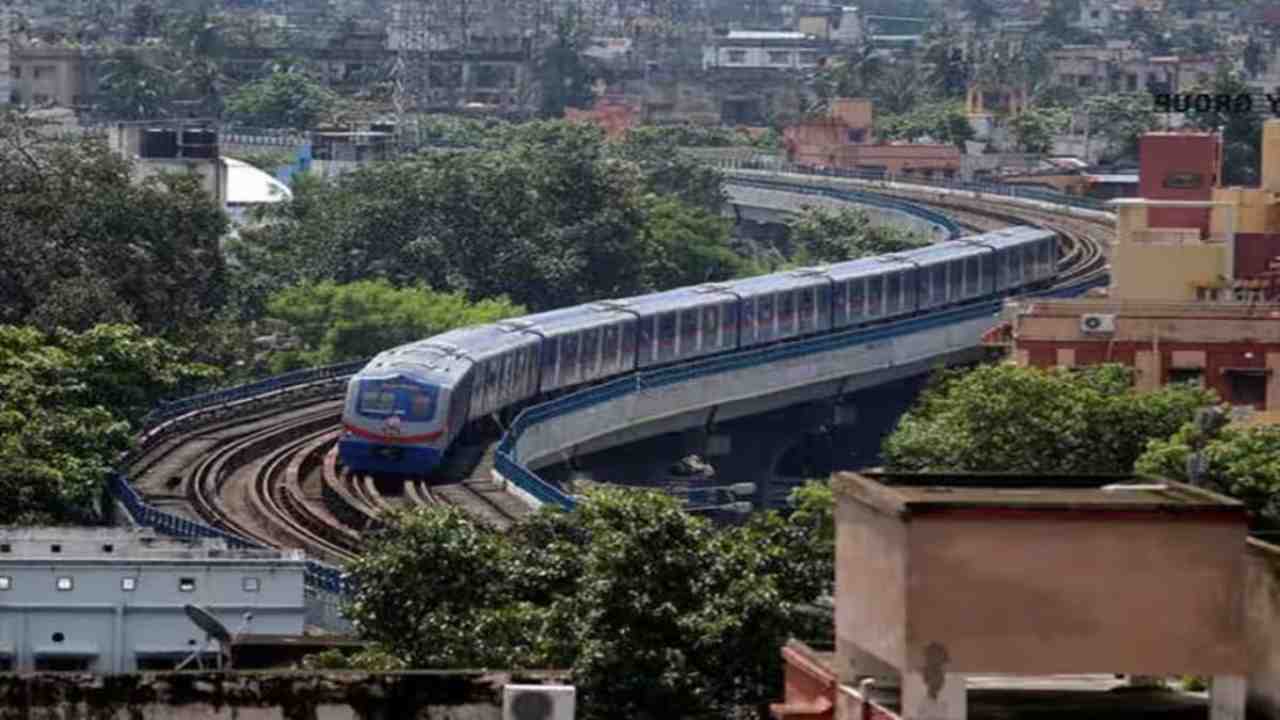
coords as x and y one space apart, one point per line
1005 189
862 198
318 575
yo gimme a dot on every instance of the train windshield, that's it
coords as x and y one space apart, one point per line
408 401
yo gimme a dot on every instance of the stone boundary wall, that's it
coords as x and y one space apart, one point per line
331 695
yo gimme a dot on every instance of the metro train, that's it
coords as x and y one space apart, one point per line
410 403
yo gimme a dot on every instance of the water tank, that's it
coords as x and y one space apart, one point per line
159 143
199 144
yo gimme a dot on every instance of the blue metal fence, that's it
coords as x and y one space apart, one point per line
1005 189
885 202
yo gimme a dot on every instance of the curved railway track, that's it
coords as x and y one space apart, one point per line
274 478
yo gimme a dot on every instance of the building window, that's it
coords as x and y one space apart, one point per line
55 549
129 584
809 57
1248 387
58 637
1131 82
108 548
1182 376
65 584
738 56
779 58
1095 14
5 547
1085 81
16 72
6 582
251 584
186 584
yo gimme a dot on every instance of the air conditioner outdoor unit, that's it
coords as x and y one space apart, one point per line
1094 323
538 702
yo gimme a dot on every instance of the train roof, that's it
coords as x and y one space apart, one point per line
680 298
1011 236
942 252
865 267
807 277
564 320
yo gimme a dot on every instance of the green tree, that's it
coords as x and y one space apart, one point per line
818 235
657 612
688 246
66 410
1120 120
1241 132
287 98
85 242
136 85
566 80
360 319
1035 128
943 122
1027 420
1241 462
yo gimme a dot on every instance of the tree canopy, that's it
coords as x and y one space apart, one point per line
66 410
287 98
360 319
1014 419
1243 462
86 243
651 608
818 235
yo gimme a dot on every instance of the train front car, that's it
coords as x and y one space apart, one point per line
394 421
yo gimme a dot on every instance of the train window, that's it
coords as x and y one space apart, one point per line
857 300
874 285
711 327
666 336
688 331
590 352
956 285
748 319
647 336
1029 262
628 341
988 273
787 312
569 358
938 281
892 293
765 318
972 276
549 355
804 317
909 282
375 400
508 376
822 318
609 348
729 321
1015 266
840 302
1183 180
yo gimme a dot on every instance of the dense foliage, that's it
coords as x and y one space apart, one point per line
1241 462
819 235
67 402
288 98
1028 420
85 243
652 608
360 319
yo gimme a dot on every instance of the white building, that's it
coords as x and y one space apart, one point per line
110 600
763 51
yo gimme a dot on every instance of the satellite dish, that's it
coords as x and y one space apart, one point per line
211 625
215 632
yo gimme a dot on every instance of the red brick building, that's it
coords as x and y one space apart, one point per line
1179 166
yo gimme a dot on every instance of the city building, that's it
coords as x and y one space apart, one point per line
110 600
947 583
60 75
1118 66
756 50
844 140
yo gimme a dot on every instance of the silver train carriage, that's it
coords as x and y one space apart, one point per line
405 409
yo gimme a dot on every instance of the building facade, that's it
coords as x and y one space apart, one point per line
741 49
109 600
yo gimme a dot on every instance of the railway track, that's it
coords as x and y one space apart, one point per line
273 477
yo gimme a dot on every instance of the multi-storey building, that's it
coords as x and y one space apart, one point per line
111 600
1194 293
754 50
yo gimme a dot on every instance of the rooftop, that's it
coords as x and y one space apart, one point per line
916 493
123 544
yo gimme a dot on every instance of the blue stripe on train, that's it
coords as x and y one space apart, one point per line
363 456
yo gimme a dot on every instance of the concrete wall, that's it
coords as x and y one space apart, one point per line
871 592
261 696
1262 617
1049 593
